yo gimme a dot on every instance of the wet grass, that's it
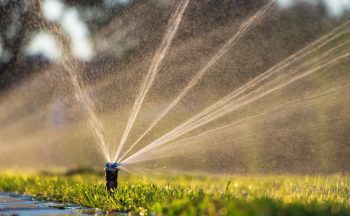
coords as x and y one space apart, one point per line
185 195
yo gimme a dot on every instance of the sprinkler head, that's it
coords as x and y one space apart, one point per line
111 176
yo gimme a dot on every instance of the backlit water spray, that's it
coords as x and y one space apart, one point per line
245 26
209 137
71 65
174 22
87 103
260 87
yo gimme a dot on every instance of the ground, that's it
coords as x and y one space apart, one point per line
185 195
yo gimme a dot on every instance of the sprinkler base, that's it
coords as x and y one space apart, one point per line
111 176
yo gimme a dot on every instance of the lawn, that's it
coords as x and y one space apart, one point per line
186 195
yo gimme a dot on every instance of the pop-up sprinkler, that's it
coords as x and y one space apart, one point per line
111 176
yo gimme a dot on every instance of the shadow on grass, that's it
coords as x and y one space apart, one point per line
74 172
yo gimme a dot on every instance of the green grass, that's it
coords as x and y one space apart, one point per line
184 195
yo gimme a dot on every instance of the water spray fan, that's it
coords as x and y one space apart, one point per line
112 176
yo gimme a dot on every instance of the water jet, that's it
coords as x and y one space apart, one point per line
111 170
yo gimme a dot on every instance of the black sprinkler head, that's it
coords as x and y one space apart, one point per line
111 176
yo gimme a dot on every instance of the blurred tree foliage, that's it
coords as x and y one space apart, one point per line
20 18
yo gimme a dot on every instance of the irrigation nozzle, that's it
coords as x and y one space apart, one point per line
111 176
